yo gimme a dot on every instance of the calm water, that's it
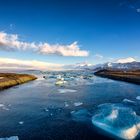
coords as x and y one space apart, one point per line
45 110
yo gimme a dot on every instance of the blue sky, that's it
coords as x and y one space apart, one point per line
107 29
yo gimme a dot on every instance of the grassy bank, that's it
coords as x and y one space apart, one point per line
12 79
127 76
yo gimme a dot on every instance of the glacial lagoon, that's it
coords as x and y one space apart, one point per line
82 109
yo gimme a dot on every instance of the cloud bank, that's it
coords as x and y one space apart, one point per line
11 42
9 63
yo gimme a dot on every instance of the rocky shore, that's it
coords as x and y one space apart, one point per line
127 76
12 79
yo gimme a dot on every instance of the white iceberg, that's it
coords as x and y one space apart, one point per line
10 138
118 120
66 90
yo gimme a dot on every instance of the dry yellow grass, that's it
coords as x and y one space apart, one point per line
11 79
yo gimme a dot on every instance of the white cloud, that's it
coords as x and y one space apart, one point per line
64 50
9 63
125 60
12 42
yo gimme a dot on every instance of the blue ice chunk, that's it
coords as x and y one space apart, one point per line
10 138
118 120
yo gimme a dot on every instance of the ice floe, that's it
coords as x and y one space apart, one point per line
10 138
66 104
21 122
46 110
78 104
138 97
118 120
66 90
1 105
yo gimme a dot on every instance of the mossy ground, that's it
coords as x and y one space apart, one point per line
11 79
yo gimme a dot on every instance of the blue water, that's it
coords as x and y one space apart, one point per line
43 111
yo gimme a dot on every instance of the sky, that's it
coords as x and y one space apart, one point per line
64 32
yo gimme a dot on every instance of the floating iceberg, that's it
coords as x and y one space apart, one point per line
118 120
78 103
66 90
60 83
10 138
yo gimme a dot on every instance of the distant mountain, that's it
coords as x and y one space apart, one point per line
121 64
78 66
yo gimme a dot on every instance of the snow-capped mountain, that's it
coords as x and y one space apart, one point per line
121 64
79 66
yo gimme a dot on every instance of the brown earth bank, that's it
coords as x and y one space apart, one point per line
12 79
132 76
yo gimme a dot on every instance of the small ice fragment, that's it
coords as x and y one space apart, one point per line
66 104
66 90
78 103
80 115
10 138
129 101
1 105
9 104
21 122
72 112
46 110
5 108
138 97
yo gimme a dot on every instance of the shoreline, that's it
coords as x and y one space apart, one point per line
126 76
8 80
